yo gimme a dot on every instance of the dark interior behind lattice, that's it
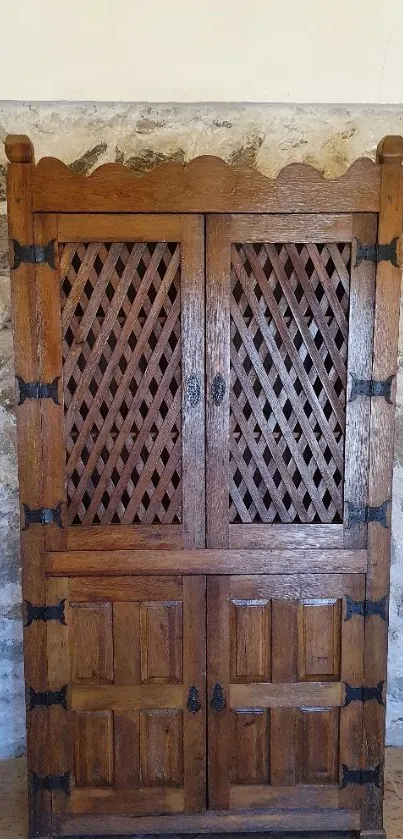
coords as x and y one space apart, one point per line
289 336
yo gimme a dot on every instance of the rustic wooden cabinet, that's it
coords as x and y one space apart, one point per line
206 364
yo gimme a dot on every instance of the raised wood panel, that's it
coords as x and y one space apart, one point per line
91 642
161 750
250 745
319 640
161 642
319 746
93 758
250 641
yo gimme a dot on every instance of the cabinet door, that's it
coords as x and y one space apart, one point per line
282 650
121 321
289 333
132 653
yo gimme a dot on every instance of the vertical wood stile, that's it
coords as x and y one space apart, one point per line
352 673
50 368
193 415
361 327
24 312
218 657
218 262
194 673
388 282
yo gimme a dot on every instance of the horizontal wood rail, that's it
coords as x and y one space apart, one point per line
83 563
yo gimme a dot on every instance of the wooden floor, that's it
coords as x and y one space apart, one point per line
13 824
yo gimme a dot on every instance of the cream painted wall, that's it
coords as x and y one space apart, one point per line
297 51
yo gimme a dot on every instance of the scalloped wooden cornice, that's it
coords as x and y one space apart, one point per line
206 184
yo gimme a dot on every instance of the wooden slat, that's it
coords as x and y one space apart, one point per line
192 336
219 722
292 587
287 695
352 673
306 797
30 470
207 184
218 822
388 282
118 536
83 563
296 228
84 227
144 801
126 697
361 325
217 364
125 589
194 674
283 537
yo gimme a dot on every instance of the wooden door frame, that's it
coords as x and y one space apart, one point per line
205 185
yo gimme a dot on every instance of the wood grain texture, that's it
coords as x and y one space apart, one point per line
361 327
387 298
115 537
301 227
218 721
88 563
205 185
85 227
30 463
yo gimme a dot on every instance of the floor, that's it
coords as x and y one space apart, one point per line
13 823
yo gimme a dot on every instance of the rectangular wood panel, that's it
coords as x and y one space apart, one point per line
161 642
93 760
91 642
161 751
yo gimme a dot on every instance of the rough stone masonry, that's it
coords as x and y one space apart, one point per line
140 135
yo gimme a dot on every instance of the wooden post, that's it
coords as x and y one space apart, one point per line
20 153
386 325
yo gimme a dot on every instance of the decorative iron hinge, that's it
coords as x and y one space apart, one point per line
218 389
363 693
361 776
46 698
38 390
376 252
371 387
365 515
44 613
51 783
367 608
193 390
193 704
44 515
34 253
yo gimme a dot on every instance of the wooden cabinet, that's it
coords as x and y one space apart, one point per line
206 369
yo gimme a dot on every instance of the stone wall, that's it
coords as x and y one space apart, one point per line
141 136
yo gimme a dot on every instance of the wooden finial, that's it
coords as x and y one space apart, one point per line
19 148
390 149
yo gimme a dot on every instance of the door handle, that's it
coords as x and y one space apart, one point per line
218 702
193 704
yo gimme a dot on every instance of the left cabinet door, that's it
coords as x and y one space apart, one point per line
121 323
132 734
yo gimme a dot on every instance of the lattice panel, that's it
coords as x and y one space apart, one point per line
289 331
122 382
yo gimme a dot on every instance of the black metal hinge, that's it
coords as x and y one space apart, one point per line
367 608
33 253
44 613
361 776
38 390
376 252
365 515
363 693
46 698
51 783
371 387
44 515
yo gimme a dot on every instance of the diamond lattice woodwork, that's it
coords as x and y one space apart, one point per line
122 382
289 332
